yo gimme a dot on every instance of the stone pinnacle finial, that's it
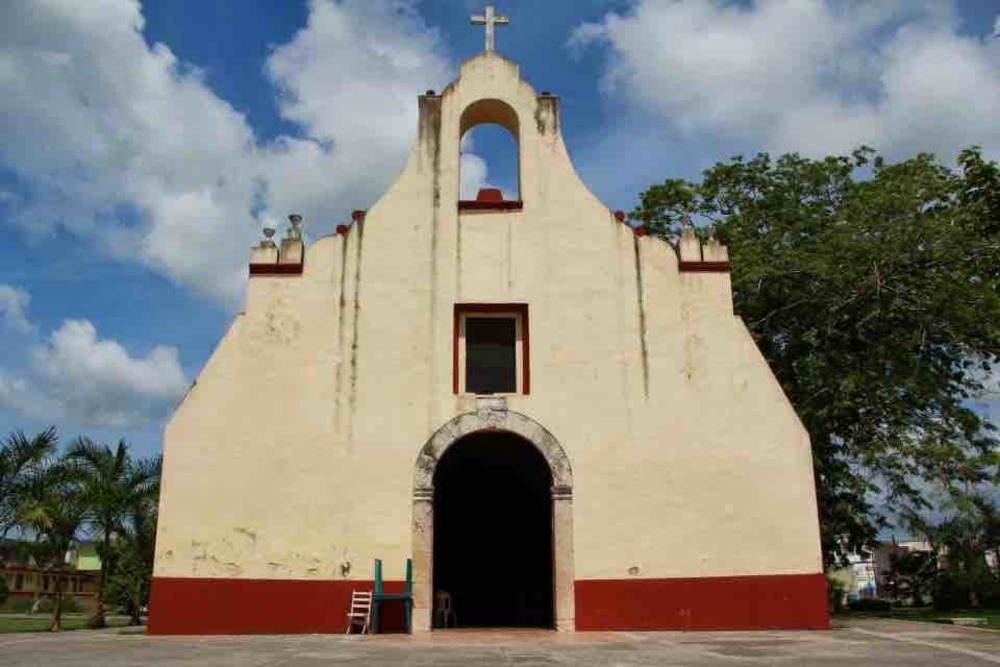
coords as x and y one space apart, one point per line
490 20
688 246
295 231
268 241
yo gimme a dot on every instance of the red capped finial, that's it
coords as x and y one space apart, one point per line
620 216
358 216
640 230
341 229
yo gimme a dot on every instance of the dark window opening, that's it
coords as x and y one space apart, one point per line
493 533
490 355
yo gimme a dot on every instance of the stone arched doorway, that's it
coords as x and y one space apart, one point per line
492 415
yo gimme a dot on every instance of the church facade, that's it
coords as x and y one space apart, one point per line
559 419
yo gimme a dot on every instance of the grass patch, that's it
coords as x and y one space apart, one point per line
40 622
930 615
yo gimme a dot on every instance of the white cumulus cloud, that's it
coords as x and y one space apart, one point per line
76 376
13 309
473 170
118 141
806 75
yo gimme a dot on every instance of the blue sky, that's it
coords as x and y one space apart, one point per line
143 145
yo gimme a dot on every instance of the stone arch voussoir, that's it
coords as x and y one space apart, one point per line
490 419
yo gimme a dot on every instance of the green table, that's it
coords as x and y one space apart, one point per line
381 596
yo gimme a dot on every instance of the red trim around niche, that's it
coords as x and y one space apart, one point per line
276 269
784 601
704 267
473 205
519 308
191 606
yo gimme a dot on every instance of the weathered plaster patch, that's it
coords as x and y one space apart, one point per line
354 329
246 532
547 115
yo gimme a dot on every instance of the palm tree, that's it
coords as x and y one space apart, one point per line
19 455
48 505
134 563
111 484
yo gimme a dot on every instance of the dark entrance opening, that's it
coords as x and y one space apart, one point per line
493 532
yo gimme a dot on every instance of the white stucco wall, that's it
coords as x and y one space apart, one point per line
294 452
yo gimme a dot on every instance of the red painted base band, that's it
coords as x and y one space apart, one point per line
278 606
786 601
183 606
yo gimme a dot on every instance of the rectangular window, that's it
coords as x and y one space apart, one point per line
491 349
490 355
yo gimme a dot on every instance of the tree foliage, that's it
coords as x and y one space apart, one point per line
111 484
873 290
19 455
911 575
54 501
962 538
49 506
130 583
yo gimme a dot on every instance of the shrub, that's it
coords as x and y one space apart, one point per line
20 604
835 590
990 594
72 606
869 604
951 591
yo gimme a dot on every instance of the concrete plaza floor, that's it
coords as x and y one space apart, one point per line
868 643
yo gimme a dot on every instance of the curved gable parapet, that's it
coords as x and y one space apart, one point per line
489 89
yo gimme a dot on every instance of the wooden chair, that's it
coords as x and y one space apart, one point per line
361 611
444 613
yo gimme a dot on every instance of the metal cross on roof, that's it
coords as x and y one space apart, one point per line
490 20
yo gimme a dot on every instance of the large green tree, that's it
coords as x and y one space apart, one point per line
873 290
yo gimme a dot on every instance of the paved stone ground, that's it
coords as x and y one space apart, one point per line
860 643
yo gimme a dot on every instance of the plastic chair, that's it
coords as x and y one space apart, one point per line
444 613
